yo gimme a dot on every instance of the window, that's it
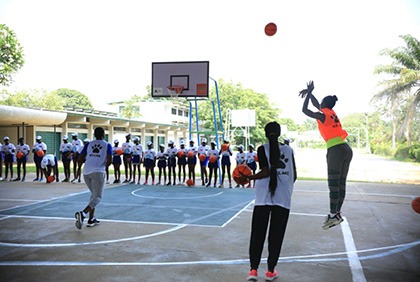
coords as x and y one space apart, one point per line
180 113
173 110
186 114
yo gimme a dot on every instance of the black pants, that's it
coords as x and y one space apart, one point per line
338 162
278 217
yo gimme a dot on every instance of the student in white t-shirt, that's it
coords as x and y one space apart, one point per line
97 156
22 151
49 164
273 192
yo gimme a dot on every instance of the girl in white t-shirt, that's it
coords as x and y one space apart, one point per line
273 192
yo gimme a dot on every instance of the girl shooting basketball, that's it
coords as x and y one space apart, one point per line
339 153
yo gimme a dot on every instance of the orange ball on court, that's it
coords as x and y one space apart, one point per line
51 179
190 182
415 204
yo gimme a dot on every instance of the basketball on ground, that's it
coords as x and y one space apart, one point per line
415 204
270 29
51 179
236 174
40 153
190 182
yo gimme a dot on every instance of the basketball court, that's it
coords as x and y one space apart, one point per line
159 233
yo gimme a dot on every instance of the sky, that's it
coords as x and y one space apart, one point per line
105 49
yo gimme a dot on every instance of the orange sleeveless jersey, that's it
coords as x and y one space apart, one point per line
331 128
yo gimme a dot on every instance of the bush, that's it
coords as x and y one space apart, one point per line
383 149
411 153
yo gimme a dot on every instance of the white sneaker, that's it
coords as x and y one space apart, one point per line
1 178
332 221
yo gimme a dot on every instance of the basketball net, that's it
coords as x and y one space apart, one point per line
174 90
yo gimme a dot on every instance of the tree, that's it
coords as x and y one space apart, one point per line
131 108
402 87
235 97
74 98
11 55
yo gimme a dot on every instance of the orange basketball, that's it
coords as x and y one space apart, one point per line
225 147
212 159
415 204
190 182
51 179
40 153
119 152
180 154
190 154
256 158
202 157
270 29
236 174
19 155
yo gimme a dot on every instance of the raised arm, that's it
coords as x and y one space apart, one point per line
307 94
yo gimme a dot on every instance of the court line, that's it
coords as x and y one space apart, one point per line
238 213
174 198
175 228
358 193
351 250
389 250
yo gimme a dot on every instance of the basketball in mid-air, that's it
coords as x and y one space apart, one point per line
270 29
51 179
415 204
190 182
236 174
40 153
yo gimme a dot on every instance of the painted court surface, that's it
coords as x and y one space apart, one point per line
157 233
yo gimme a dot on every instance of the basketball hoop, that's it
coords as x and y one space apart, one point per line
174 90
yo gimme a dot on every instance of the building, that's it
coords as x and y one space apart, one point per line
158 123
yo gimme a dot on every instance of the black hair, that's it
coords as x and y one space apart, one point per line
329 101
272 132
99 133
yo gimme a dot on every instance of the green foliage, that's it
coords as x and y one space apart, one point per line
401 88
11 55
32 98
409 152
131 108
383 149
235 97
74 98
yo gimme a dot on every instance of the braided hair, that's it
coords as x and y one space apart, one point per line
272 132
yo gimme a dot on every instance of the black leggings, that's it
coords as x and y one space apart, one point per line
278 217
338 162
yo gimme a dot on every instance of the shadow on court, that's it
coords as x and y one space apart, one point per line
157 233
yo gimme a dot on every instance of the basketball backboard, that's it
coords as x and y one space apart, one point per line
192 76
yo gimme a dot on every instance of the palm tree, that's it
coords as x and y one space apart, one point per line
403 86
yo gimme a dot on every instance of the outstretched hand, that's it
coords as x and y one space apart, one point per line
309 88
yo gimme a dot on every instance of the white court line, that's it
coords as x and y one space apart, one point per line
389 250
354 262
357 193
174 198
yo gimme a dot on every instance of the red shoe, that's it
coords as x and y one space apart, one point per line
252 276
270 276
